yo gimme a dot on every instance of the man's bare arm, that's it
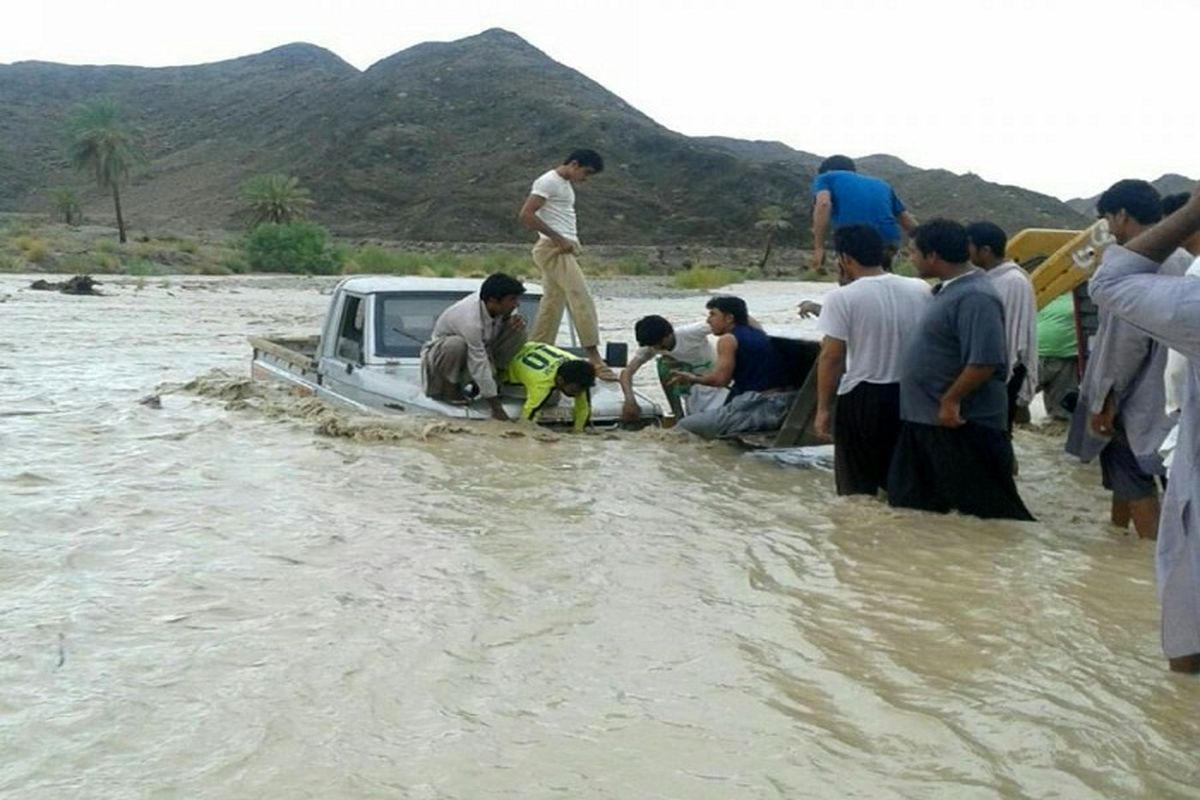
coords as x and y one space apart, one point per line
968 381
822 213
1159 242
722 371
626 377
907 222
529 218
831 365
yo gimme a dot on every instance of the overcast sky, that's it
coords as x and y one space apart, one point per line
1061 96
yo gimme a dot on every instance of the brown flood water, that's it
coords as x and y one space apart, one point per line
243 595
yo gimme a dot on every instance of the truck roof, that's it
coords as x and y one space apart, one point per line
370 284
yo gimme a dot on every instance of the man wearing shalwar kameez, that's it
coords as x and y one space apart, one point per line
1128 285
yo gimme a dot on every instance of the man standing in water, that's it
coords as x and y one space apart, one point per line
748 364
867 324
1168 308
953 451
1121 414
550 211
986 244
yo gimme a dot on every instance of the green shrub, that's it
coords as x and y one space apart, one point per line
8 263
386 262
706 278
632 265
106 246
293 247
189 246
37 251
142 267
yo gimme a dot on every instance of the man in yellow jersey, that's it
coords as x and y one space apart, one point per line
546 372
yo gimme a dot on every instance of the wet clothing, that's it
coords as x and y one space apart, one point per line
1057 378
693 352
964 325
866 425
968 468
563 286
1167 308
1020 325
747 412
942 469
535 366
862 200
1121 473
1129 364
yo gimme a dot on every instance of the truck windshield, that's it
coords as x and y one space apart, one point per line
404 320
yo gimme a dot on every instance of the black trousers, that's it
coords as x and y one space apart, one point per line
865 427
943 469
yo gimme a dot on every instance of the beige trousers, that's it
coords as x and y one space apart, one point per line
563 284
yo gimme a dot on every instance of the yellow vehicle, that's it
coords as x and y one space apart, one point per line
1058 260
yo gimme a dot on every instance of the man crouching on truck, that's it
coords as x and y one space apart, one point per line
748 363
546 372
473 341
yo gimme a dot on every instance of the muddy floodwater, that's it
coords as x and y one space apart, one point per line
243 595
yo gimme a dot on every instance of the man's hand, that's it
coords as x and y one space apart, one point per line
808 309
822 427
516 322
680 378
563 245
949 415
631 411
1104 423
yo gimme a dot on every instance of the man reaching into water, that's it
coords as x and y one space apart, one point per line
685 349
546 373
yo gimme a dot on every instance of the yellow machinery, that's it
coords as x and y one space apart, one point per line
1058 260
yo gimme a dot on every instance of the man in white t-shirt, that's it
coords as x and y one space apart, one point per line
867 325
550 211
685 348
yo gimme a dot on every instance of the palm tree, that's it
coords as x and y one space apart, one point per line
772 220
279 199
65 203
103 144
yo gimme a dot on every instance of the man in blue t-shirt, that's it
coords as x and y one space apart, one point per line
843 197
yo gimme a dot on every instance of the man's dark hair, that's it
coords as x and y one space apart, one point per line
944 238
990 235
586 158
1173 202
650 331
1136 198
734 306
861 242
835 163
499 285
577 372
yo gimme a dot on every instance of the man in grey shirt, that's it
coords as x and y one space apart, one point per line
953 451
1121 414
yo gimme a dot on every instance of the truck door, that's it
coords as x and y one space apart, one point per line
344 355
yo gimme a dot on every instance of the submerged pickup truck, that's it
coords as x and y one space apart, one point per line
367 356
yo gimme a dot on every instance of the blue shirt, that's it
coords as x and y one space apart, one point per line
756 367
862 200
964 325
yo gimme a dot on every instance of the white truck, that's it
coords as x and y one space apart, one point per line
367 357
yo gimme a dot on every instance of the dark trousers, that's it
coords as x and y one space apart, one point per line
865 427
943 469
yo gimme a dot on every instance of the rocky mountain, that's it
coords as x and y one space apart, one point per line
437 142
1167 184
